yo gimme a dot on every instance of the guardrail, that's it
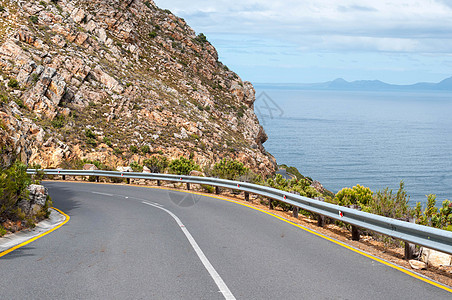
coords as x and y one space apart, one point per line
430 237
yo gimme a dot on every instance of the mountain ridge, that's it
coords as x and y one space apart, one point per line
363 85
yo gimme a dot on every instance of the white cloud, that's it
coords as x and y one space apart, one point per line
402 21
250 34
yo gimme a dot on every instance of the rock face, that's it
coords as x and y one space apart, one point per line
94 78
37 199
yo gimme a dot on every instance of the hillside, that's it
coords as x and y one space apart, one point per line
118 81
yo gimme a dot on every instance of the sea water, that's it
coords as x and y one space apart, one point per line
375 139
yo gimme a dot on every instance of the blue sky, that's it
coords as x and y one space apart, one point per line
398 41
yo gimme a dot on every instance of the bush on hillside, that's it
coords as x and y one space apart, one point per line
229 169
183 166
156 164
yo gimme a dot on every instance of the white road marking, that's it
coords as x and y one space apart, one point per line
105 194
216 277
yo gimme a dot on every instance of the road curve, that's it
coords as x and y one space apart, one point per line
123 242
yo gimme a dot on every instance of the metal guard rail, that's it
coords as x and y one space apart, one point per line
429 237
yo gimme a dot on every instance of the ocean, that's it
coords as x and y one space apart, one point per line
375 139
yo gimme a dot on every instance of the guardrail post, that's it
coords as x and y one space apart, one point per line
355 233
295 212
320 218
159 183
217 190
64 177
188 186
270 204
128 180
410 248
247 196
97 178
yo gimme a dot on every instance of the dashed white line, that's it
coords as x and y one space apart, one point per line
216 277
105 194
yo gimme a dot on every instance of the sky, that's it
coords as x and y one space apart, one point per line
305 41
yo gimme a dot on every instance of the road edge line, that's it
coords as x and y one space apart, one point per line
38 236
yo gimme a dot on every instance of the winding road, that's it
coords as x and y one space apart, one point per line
125 242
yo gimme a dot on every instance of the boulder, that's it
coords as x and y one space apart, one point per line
36 199
435 258
417 265
197 173
89 167
124 169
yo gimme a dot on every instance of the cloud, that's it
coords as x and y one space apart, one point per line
364 38
369 23
356 8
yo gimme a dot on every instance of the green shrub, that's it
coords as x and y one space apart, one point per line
156 164
433 217
13 188
229 169
2 230
59 121
13 83
201 38
19 102
182 166
385 203
358 195
136 167
3 98
145 149
2 8
90 134
208 188
107 141
91 142
133 149
34 77
34 19
152 34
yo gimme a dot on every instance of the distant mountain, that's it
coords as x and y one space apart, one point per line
363 85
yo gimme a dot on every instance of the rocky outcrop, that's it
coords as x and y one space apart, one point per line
37 198
131 73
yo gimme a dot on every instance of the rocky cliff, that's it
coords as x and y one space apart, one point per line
118 81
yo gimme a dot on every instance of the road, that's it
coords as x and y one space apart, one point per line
124 242
284 174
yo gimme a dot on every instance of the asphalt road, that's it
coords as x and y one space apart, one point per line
121 244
